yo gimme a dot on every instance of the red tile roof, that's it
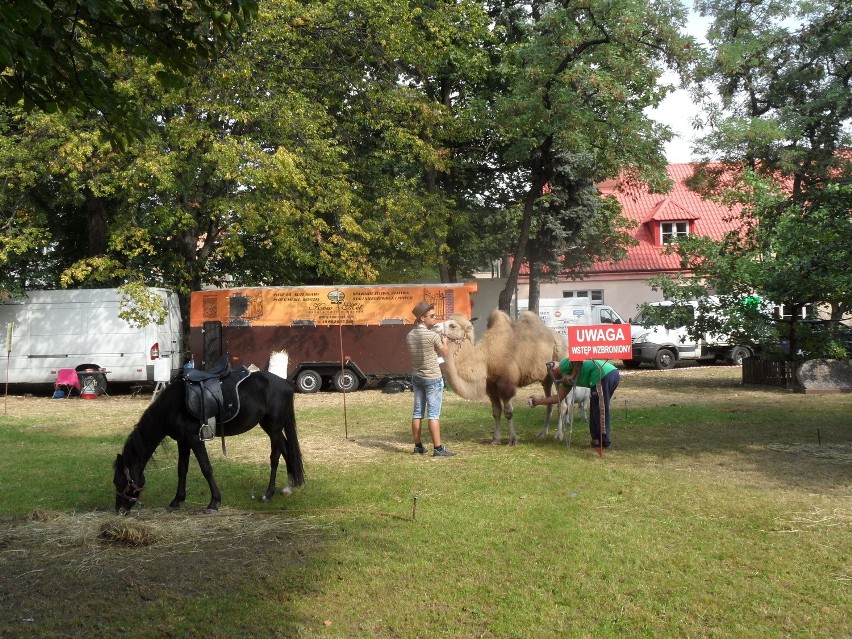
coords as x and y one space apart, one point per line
669 210
707 219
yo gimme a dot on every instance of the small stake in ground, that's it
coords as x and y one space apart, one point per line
414 508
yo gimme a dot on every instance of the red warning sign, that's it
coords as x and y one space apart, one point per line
602 341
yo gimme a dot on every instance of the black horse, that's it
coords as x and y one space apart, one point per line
265 399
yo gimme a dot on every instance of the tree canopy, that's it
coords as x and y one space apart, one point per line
328 142
55 55
781 137
577 79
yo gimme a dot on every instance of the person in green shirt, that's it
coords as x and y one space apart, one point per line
587 374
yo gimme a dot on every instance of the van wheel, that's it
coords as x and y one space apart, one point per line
345 381
664 360
738 354
308 381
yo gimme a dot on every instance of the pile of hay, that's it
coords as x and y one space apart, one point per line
88 540
122 530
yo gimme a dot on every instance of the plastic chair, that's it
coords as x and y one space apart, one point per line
66 381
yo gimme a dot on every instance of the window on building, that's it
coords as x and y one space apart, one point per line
671 231
594 297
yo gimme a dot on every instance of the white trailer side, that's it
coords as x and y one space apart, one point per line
67 328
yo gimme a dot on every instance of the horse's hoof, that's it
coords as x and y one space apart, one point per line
495 442
212 511
513 442
542 434
558 438
287 491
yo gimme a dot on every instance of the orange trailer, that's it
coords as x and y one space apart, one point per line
342 336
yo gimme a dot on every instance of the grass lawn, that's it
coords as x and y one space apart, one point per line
721 511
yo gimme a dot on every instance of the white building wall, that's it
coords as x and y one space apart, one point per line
624 294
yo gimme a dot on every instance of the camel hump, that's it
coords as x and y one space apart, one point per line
529 316
498 318
530 328
530 325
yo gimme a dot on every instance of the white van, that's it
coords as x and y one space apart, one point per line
559 313
663 345
65 329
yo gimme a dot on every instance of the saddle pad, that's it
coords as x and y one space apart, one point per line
215 398
231 393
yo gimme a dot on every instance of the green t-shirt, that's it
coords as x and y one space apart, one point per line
591 371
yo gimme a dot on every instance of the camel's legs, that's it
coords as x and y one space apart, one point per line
496 413
509 412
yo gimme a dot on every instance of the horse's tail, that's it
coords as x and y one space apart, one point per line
293 453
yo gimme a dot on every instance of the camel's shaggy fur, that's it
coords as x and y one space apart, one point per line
511 354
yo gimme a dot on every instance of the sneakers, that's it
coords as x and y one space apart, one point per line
442 452
419 449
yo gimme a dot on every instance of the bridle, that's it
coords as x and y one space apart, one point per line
131 486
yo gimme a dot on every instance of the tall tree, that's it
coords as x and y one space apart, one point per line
782 73
574 227
410 117
780 134
578 79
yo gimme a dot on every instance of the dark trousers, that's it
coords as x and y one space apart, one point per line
608 385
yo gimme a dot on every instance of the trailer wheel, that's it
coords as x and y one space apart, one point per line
738 354
345 381
664 360
308 381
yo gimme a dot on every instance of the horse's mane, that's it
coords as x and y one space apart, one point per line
148 432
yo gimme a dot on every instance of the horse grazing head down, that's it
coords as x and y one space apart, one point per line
127 488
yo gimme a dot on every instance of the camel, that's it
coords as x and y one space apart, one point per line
510 354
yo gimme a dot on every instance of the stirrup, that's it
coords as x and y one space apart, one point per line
208 430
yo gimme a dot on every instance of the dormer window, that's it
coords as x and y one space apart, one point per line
671 231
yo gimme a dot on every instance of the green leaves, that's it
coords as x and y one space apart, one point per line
56 57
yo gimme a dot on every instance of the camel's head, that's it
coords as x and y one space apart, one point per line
458 328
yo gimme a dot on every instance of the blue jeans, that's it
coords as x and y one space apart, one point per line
608 385
428 395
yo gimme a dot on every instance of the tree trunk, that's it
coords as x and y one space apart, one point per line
534 293
96 224
504 302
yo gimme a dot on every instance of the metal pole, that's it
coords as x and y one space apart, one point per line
601 408
8 356
571 414
342 370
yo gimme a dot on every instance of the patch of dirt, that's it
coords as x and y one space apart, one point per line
58 567
842 452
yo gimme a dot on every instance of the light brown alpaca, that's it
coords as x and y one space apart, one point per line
511 354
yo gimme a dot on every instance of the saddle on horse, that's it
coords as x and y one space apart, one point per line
213 395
